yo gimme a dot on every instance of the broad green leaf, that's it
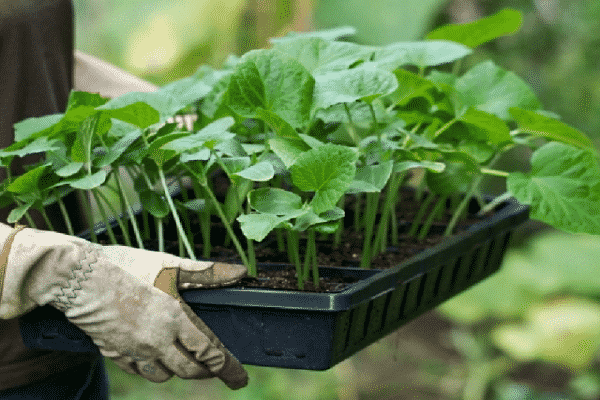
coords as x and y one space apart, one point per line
258 226
139 114
87 182
359 111
259 172
69 169
117 149
485 127
421 54
200 155
154 203
351 85
455 178
19 212
432 166
372 178
209 136
328 171
198 205
311 141
233 165
160 155
326 34
410 86
39 145
78 98
280 126
549 128
29 126
562 189
231 147
272 81
490 88
288 150
476 33
212 104
164 103
82 148
188 90
320 56
311 218
29 181
274 201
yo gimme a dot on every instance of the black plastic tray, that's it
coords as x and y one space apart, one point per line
315 331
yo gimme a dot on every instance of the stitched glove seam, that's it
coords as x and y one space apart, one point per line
80 272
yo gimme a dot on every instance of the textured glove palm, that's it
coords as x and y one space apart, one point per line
125 299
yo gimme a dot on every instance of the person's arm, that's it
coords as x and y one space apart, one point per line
125 299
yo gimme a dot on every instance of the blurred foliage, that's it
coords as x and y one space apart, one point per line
544 305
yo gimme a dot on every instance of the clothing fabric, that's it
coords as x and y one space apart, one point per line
36 75
90 383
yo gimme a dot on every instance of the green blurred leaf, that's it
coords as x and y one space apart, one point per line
274 201
420 54
259 172
325 34
476 33
154 203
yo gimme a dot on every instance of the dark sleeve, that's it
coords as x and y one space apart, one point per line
36 67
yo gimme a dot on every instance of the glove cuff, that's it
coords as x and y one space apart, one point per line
4 255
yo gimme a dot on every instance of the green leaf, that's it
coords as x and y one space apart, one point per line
410 86
326 34
562 189
474 34
455 178
372 178
288 150
274 201
28 127
87 182
233 165
320 56
351 85
280 126
490 88
272 81
259 172
70 169
198 205
28 181
485 127
82 148
19 212
117 149
160 155
79 98
165 104
328 171
39 145
421 54
258 226
549 128
432 166
191 88
139 114
311 218
154 203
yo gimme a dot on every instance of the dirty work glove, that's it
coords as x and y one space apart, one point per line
124 298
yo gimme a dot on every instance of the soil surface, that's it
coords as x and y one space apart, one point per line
348 254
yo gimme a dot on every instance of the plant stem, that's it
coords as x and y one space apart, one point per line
422 210
372 205
350 126
144 211
204 218
441 203
111 234
498 200
337 239
129 211
462 206
221 214
161 236
494 172
444 127
186 219
294 252
124 229
182 233
63 210
380 243
90 217
313 256
250 246
357 201
46 219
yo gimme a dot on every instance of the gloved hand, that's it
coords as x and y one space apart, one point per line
124 298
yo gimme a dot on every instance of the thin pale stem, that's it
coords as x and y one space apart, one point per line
63 210
124 229
463 204
129 212
422 210
90 217
441 203
111 234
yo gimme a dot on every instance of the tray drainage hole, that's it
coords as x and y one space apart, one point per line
273 353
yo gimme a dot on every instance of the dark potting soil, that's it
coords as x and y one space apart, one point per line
348 254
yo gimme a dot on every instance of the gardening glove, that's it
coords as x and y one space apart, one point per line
124 298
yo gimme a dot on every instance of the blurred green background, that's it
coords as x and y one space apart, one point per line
530 332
